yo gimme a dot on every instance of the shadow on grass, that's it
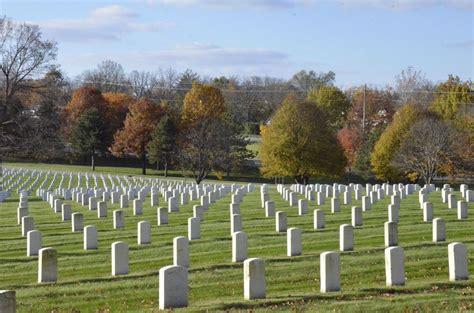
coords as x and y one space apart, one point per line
363 295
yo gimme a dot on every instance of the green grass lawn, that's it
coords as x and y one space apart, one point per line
85 283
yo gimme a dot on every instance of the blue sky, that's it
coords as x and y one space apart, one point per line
362 41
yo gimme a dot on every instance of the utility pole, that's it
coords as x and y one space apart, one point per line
1 173
363 110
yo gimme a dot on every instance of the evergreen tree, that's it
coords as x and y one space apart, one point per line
162 146
87 134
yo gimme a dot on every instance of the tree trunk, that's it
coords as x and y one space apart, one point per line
143 163
93 162
166 169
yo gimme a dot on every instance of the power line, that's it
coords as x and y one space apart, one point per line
278 90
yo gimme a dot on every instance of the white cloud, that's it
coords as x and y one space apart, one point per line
106 23
207 59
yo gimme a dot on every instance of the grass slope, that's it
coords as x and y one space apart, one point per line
85 283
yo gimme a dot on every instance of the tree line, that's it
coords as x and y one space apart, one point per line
416 129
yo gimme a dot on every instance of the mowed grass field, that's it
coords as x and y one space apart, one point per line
85 283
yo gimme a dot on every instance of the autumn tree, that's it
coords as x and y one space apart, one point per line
426 149
299 143
84 98
205 141
371 109
87 134
137 131
350 140
333 102
116 109
454 98
163 144
390 141
202 102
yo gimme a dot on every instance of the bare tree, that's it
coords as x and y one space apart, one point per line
427 149
166 83
412 86
109 76
24 55
142 83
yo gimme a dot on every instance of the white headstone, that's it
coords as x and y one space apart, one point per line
254 279
7 301
198 212
123 201
427 212
366 203
90 238
462 210
47 265
162 216
330 272
137 207
457 259
66 212
119 217
77 222
394 266
356 216
180 251
280 221
269 208
119 258
102 209
393 213
302 206
173 289
27 224
34 242
391 234
293 242
144 233
319 220
239 246
21 212
346 237
335 206
235 223
439 230
173 205
194 228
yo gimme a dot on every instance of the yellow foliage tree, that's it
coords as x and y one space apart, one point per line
391 139
202 102
300 143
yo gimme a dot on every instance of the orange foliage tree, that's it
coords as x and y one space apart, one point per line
116 109
83 99
138 127
350 140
